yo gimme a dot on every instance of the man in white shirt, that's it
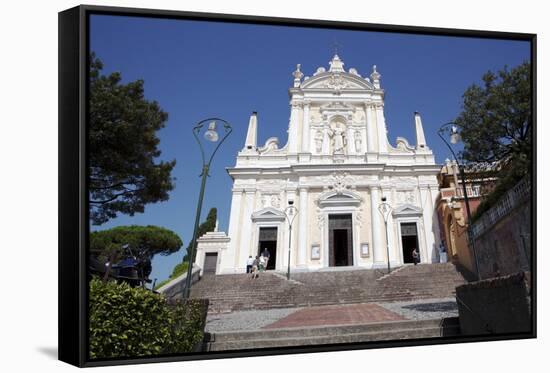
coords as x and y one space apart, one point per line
249 263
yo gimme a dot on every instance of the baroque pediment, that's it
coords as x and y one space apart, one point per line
336 81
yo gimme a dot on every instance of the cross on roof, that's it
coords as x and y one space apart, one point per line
336 45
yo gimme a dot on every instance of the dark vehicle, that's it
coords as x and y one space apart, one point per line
132 269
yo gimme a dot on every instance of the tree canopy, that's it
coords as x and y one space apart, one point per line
123 147
144 241
496 120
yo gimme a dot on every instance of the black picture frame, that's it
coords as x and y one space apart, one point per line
73 204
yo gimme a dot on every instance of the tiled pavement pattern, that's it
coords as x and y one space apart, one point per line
336 315
331 325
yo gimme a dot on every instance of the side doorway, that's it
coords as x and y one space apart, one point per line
210 264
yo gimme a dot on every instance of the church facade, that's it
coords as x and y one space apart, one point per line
336 168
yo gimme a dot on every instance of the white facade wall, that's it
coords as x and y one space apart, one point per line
337 160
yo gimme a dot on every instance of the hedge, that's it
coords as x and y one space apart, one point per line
132 322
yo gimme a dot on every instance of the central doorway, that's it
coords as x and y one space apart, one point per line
268 240
409 241
340 240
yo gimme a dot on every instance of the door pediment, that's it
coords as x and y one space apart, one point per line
339 198
268 214
407 210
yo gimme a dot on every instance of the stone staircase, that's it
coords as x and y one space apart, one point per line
229 293
394 330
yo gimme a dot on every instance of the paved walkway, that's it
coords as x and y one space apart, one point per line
349 314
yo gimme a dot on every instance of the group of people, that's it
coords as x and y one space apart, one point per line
256 265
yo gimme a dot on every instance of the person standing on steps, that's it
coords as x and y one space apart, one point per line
442 253
261 267
416 256
255 265
249 263
266 255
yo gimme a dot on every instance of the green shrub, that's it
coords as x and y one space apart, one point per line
131 322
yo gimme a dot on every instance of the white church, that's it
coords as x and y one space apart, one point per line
336 169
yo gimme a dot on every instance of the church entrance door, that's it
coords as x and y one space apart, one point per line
409 241
268 240
340 240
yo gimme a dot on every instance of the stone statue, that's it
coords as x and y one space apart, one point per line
338 138
357 142
319 141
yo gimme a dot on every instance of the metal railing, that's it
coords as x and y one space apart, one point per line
505 204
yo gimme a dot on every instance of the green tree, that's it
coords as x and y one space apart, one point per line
496 120
207 226
142 241
123 147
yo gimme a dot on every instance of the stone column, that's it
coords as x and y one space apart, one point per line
388 193
246 244
305 129
382 132
303 228
378 248
430 251
229 261
369 118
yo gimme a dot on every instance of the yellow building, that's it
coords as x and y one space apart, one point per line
451 208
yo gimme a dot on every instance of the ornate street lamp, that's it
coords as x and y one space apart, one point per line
451 128
385 209
212 136
290 212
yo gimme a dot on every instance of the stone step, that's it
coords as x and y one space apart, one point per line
265 338
239 292
316 331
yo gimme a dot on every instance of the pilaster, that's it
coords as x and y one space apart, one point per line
377 243
293 126
382 131
303 231
369 117
305 128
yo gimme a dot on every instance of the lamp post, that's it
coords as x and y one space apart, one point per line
385 209
212 136
452 129
290 212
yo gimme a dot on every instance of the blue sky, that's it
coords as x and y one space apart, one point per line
197 70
